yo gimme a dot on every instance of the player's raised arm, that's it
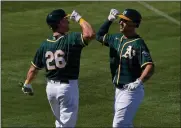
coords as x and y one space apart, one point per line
102 35
87 31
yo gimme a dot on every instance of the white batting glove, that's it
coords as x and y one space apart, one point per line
75 16
113 14
132 86
27 89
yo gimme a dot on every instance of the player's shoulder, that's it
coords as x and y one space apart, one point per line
74 37
42 44
45 41
115 35
73 33
139 41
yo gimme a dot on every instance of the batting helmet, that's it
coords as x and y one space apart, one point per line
131 15
54 17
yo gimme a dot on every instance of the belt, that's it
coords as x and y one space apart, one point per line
60 81
120 86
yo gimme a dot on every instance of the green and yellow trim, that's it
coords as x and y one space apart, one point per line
146 64
83 42
119 69
104 37
120 41
35 65
54 40
124 17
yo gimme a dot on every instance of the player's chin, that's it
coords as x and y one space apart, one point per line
121 29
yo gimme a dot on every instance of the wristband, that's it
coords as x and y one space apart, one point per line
81 20
26 82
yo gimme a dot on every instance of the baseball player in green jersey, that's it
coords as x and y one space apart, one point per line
131 64
60 56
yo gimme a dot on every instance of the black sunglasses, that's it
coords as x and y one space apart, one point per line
123 20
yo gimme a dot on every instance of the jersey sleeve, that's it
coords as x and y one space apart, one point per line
144 56
37 61
77 38
110 40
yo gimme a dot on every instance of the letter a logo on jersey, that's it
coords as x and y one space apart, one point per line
129 53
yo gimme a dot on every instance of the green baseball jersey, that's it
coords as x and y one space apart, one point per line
133 56
60 57
114 61
113 57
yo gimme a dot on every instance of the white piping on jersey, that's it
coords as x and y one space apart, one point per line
119 48
82 40
121 55
120 42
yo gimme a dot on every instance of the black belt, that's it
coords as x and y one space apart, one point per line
120 86
61 81
64 81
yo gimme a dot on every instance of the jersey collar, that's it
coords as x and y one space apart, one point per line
53 39
132 37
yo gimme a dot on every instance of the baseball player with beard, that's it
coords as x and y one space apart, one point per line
130 63
60 56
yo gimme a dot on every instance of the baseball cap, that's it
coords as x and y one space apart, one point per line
55 16
131 15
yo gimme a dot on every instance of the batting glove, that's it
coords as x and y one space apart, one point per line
113 14
27 89
132 86
75 16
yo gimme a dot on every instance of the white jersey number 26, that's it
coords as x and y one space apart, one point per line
58 56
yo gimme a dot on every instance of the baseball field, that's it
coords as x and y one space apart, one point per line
23 28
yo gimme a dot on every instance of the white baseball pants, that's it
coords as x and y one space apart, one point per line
125 106
63 99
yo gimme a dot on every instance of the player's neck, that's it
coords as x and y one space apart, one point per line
57 35
130 35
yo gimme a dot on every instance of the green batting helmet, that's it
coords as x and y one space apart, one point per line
131 15
54 17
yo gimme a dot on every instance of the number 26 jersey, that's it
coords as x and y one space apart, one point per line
60 57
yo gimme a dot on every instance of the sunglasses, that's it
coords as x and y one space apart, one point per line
123 20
